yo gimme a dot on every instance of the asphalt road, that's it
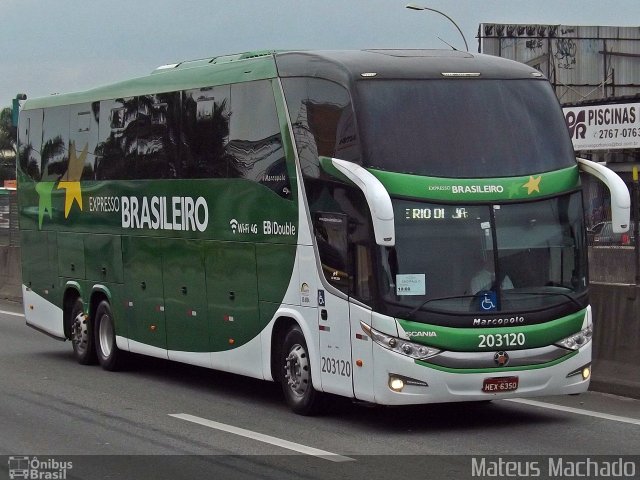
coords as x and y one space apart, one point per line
159 419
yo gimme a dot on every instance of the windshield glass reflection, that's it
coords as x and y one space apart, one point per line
485 258
462 128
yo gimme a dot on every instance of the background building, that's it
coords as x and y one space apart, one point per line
595 72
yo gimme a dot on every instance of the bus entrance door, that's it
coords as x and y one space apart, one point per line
336 368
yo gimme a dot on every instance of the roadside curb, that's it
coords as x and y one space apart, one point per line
621 389
616 378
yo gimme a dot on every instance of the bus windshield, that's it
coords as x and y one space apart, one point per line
463 128
485 258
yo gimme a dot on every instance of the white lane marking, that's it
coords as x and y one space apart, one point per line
4 312
578 411
261 437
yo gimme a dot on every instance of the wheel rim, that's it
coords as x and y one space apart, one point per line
105 334
80 334
297 371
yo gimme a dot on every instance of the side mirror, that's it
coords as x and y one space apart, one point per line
377 198
620 198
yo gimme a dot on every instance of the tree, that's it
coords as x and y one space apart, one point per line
8 141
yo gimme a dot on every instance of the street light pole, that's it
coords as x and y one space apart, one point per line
412 6
16 108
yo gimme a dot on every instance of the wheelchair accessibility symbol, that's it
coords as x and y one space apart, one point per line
488 301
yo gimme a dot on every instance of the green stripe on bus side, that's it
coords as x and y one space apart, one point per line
235 198
496 370
479 189
469 339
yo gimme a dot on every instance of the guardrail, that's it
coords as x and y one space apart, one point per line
9 233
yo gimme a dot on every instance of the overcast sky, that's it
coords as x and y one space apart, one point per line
58 46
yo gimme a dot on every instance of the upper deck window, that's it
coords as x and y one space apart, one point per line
323 122
462 128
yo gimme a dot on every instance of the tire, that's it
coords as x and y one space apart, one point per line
109 355
296 381
82 339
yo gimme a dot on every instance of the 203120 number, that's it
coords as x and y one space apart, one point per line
501 340
335 366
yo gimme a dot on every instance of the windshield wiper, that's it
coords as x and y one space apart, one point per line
503 292
520 292
423 304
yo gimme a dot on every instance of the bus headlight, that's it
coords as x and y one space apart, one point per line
399 345
577 340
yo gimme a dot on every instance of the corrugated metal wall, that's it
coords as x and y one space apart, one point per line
582 62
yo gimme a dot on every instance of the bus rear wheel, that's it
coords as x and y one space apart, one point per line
297 384
109 355
84 349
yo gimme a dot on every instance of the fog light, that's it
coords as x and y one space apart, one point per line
584 371
396 384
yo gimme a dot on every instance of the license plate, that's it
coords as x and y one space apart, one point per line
500 384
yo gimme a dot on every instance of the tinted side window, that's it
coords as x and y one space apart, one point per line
342 227
331 236
205 132
323 122
83 137
55 142
255 143
158 133
117 148
30 142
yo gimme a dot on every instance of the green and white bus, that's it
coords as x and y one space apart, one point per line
393 226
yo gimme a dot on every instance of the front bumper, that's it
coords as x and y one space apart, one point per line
451 385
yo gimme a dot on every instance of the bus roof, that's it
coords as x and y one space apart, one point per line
170 78
343 66
352 65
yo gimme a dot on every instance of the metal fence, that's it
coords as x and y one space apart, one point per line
9 234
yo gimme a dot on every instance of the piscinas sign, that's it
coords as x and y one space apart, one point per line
603 127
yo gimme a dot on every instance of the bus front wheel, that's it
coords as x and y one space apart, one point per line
84 349
296 380
109 355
